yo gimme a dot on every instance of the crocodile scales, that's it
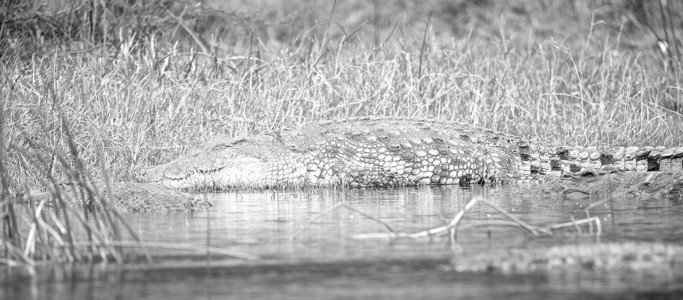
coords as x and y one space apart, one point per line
388 151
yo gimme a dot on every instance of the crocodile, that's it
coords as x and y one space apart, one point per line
392 151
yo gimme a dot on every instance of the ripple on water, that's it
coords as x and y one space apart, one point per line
312 253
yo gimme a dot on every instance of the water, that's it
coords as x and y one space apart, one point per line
304 256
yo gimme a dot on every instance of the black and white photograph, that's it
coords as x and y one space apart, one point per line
341 149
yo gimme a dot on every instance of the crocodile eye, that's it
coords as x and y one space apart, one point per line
236 142
224 145
221 146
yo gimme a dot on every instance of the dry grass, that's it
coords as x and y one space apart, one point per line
145 100
176 75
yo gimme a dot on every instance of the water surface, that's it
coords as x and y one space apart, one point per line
308 255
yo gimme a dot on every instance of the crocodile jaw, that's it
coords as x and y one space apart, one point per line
238 173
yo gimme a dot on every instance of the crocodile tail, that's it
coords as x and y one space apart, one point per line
559 160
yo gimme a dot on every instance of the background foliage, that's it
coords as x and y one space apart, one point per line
146 80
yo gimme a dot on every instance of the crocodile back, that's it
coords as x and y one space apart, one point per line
385 151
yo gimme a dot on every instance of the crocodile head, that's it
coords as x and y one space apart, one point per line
220 165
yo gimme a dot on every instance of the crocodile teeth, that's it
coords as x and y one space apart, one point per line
209 170
176 176
217 165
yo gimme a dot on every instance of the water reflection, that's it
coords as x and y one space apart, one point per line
282 226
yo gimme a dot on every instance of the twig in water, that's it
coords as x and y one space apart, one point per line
346 205
369 216
535 230
515 221
576 226
313 218
574 223
489 223
454 222
593 205
431 232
